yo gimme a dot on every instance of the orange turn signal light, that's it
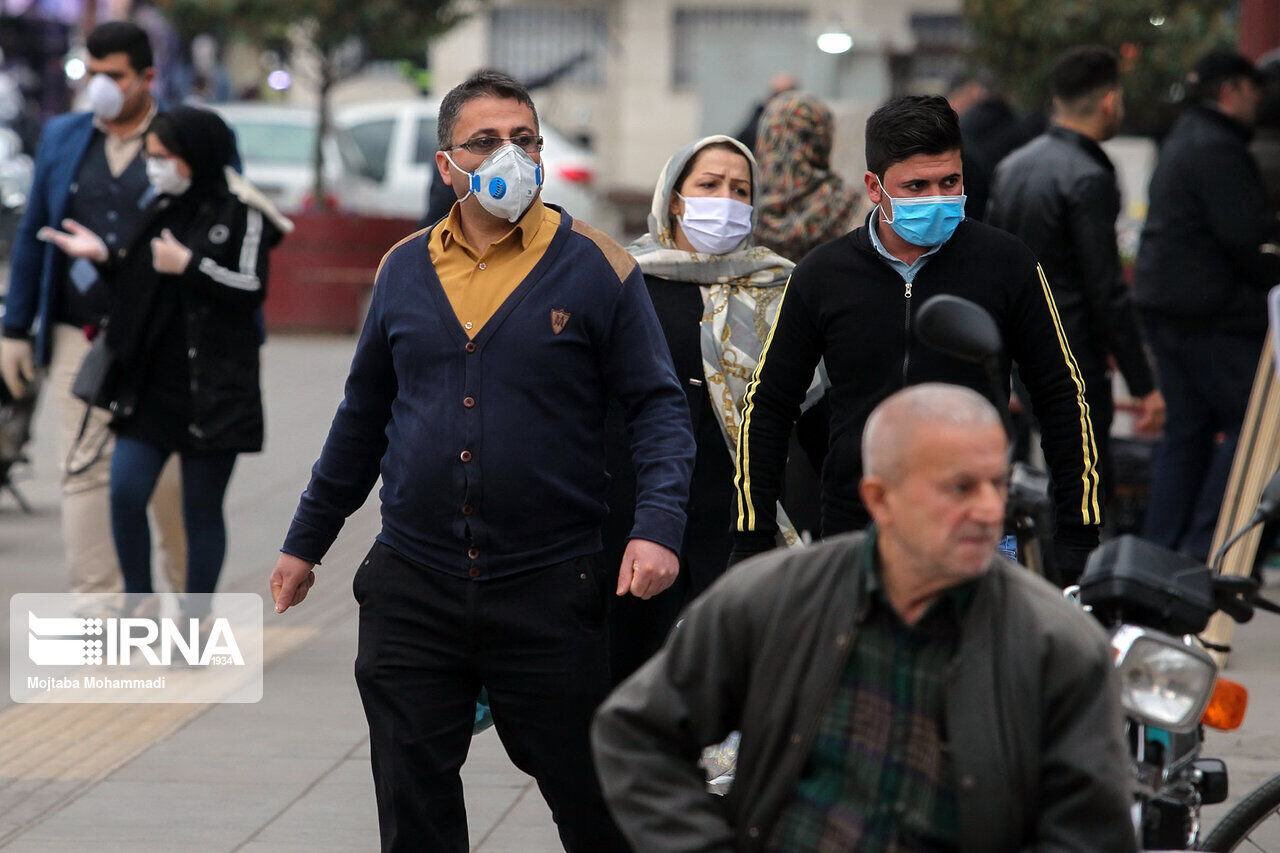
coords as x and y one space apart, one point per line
1226 706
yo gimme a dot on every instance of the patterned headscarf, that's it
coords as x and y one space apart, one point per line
803 203
743 294
656 251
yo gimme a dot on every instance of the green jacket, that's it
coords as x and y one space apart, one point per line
1033 711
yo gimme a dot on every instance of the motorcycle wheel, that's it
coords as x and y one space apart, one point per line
1242 828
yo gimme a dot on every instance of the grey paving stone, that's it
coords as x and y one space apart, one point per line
528 827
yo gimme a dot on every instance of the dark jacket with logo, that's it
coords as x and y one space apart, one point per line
186 346
1032 710
1058 194
1199 265
492 448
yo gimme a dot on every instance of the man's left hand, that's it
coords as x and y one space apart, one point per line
1151 421
168 256
647 569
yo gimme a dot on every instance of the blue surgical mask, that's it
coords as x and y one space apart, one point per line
925 221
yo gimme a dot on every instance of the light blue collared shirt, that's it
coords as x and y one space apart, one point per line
907 271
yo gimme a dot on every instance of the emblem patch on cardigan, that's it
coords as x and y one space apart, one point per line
559 319
219 234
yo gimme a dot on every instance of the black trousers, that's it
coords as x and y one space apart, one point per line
1102 412
1206 379
428 641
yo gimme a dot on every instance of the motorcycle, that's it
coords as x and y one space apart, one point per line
1154 603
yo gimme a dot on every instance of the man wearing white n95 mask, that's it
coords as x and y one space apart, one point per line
495 342
91 169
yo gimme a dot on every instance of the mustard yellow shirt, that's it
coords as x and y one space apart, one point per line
478 284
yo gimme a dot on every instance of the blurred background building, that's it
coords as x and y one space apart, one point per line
642 77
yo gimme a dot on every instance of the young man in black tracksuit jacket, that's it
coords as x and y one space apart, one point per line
852 302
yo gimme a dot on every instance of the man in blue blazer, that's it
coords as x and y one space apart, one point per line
90 167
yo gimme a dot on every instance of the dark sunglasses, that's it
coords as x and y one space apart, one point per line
486 145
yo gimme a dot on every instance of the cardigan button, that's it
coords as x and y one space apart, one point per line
469 402
967 782
467 509
474 572
465 456
471 346
473 553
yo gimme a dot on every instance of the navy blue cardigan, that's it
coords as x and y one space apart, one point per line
492 450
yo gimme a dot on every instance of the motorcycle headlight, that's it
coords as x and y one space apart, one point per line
1163 682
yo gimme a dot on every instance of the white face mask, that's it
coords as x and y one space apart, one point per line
715 226
505 183
162 172
105 98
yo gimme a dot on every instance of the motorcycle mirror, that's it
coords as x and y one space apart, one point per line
1273 315
1269 503
959 328
1268 510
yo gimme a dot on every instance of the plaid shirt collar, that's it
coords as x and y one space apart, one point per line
953 601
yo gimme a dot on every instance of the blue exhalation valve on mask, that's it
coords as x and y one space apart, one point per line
507 194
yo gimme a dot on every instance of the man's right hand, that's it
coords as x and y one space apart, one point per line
290 581
17 365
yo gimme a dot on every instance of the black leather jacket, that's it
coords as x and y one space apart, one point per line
1199 266
1058 194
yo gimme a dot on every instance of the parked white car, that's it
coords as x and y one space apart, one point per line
277 146
396 147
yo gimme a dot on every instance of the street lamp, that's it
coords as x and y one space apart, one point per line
75 69
835 39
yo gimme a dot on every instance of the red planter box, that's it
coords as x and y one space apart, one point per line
322 273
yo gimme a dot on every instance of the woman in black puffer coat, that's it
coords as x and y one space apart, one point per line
184 338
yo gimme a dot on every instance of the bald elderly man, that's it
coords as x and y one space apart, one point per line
902 688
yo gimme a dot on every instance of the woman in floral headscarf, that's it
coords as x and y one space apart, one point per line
716 296
803 204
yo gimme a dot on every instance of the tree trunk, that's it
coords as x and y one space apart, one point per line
322 130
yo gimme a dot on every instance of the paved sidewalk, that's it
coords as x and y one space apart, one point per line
289 773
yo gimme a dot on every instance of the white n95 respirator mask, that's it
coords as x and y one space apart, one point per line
105 98
505 183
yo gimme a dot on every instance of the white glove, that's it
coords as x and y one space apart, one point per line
168 256
77 241
17 364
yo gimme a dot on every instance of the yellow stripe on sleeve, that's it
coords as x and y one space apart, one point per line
1090 510
742 477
